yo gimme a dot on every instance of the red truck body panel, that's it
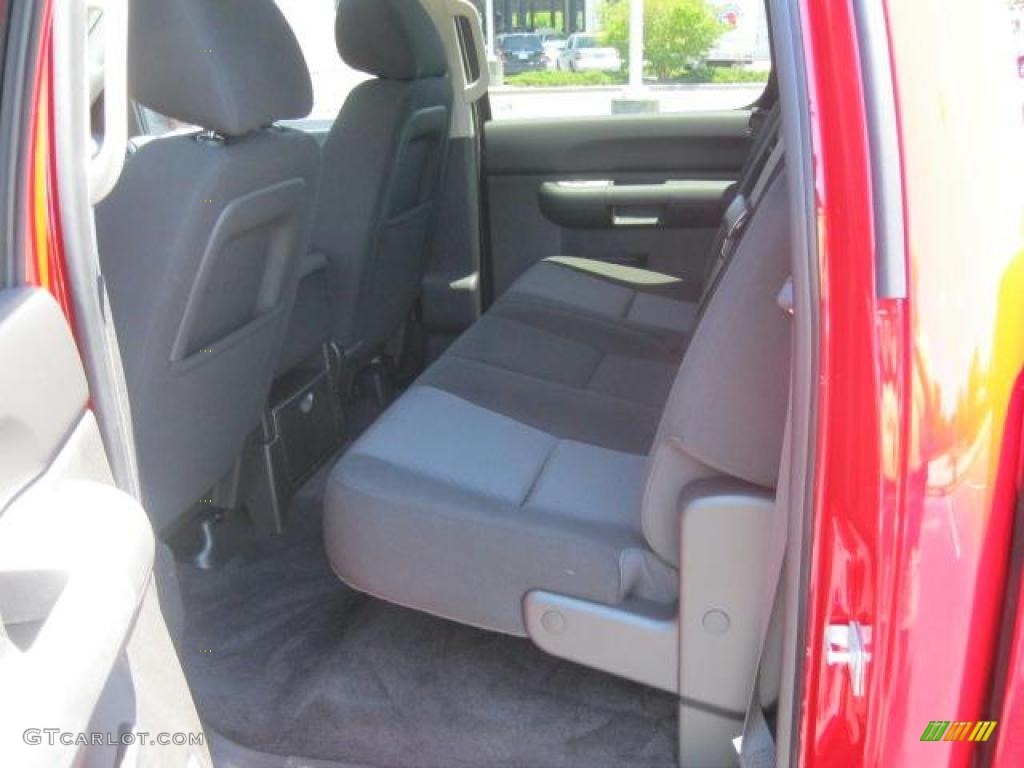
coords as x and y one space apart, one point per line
914 513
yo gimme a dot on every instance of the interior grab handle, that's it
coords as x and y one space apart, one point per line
477 89
73 40
106 165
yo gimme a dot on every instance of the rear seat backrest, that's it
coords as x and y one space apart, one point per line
725 415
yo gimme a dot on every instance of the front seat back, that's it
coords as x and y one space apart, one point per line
201 239
382 166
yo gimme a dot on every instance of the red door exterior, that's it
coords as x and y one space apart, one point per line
918 451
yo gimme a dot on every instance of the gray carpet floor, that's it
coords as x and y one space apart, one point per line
283 658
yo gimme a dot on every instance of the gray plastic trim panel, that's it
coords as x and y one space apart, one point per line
598 635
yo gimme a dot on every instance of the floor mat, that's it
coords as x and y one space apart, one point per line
283 658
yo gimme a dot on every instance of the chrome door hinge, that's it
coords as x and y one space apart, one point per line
850 645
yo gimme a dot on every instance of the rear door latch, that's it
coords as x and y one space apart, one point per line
849 644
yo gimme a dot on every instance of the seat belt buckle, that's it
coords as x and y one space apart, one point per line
785 298
736 217
757 120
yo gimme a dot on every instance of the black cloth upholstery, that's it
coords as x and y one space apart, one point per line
391 39
229 66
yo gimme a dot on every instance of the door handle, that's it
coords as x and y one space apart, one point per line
601 204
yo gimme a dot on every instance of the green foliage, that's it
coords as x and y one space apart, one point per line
543 20
562 78
724 75
554 78
676 33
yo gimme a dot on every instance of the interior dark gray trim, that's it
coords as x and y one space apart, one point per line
629 151
705 145
884 141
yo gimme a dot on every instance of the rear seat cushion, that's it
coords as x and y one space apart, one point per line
580 377
648 300
568 412
515 463
460 511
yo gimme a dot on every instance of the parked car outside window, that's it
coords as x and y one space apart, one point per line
521 53
554 43
583 53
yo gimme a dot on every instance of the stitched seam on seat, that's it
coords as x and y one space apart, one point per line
596 393
561 340
679 307
629 305
536 480
646 333
428 476
570 345
593 374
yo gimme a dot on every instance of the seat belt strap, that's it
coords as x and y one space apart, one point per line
771 169
741 210
737 217
758 118
756 745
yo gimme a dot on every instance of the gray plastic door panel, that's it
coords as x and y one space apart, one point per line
635 190
88 670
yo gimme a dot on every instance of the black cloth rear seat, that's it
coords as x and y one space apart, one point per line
547 448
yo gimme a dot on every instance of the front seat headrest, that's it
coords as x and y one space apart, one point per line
230 66
391 39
